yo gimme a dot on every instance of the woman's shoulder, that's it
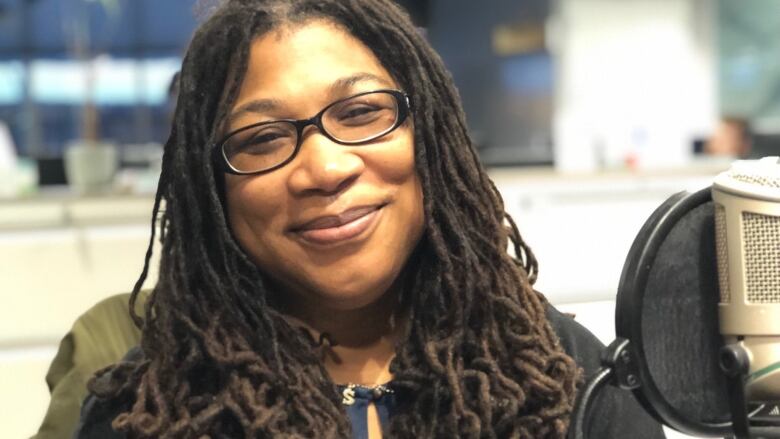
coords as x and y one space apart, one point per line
97 413
616 414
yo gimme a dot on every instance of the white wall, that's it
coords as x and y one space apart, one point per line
633 78
581 226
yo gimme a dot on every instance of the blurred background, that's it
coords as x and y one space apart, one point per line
588 113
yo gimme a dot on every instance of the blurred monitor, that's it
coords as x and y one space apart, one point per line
765 145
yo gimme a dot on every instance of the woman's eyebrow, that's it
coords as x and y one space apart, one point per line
256 106
340 85
346 82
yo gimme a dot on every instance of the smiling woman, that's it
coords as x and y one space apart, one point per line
334 256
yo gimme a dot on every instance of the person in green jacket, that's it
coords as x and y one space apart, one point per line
99 337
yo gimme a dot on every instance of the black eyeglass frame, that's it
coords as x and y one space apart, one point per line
404 108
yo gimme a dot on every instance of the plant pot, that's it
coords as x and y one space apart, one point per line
90 166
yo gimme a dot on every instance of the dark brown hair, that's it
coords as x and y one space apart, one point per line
479 358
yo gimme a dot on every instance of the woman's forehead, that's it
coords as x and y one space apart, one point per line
315 48
315 59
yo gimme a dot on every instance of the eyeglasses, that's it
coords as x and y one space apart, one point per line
356 120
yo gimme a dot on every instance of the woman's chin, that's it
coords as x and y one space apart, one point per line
347 300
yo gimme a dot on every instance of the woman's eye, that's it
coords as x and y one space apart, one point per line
359 111
359 114
267 137
265 143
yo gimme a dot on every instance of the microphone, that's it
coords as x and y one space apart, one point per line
692 283
747 226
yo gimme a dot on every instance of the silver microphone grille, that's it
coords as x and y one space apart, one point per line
761 234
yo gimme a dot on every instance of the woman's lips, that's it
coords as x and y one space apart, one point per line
347 225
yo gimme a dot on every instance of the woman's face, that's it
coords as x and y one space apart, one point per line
335 226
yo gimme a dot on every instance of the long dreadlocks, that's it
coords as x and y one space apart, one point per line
479 358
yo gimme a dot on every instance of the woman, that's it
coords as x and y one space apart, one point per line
334 256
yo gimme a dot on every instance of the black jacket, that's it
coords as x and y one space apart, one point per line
615 414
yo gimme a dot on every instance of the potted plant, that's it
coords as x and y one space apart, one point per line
90 161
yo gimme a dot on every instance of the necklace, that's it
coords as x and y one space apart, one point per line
372 393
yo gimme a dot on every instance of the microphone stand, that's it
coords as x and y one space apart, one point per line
618 369
735 363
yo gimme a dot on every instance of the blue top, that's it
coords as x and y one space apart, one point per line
356 399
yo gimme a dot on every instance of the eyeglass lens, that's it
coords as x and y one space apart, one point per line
353 120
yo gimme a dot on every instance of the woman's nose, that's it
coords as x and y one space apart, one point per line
324 166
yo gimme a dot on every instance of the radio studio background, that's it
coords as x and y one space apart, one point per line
588 113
